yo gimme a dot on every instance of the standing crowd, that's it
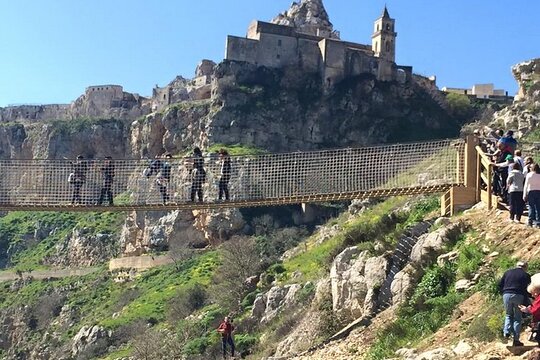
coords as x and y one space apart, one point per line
159 169
516 180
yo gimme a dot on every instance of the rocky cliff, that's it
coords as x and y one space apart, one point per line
524 114
272 109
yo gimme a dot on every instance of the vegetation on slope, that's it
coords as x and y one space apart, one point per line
28 238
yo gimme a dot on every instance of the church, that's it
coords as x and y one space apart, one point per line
304 37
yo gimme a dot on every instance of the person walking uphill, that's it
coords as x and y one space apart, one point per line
198 175
513 287
226 329
516 182
225 174
107 172
77 178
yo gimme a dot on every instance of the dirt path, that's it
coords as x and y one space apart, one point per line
47 274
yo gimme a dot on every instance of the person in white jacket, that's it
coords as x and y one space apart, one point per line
531 193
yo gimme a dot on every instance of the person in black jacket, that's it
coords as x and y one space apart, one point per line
198 175
164 178
80 168
225 174
107 173
513 287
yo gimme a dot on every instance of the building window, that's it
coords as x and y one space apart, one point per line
278 56
388 46
279 43
164 97
376 46
387 26
377 27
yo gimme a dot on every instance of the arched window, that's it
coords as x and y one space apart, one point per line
376 46
387 26
377 27
387 46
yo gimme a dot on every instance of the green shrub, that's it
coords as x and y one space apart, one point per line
244 342
487 326
469 260
435 282
196 346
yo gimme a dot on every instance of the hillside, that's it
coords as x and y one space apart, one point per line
384 278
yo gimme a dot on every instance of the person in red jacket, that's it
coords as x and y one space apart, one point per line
534 309
226 329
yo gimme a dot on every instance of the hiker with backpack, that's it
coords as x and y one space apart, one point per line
164 178
226 329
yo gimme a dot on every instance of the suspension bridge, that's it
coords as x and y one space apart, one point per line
255 180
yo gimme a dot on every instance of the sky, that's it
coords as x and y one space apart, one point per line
50 51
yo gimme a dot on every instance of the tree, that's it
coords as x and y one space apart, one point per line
239 261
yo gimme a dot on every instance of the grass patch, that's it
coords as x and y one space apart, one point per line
158 286
237 149
422 316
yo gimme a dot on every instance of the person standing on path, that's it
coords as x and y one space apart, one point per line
226 329
513 286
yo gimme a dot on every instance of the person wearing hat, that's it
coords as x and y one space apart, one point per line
513 286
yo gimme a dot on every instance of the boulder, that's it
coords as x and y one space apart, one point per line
437 354
88 336
462 348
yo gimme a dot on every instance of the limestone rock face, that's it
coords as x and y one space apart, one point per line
270 304
144 231
83 248
88 336
288 110
218 226
524 114
355 278
424 253
309 17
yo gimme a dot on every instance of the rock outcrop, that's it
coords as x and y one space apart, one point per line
524 114
309 17
424 253
356 278
82 248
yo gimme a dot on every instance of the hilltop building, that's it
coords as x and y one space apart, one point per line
481 91
304 37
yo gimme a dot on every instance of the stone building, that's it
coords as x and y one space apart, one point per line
480 91
304 37
181 89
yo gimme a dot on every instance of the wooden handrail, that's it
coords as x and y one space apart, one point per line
483 156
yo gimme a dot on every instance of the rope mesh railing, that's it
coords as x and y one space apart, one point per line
257 179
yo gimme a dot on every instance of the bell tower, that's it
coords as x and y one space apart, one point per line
383 40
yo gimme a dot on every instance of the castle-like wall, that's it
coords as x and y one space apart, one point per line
34 112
